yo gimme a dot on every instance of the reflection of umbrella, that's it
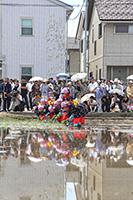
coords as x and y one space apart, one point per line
78 162
33 159
117 91
78 76
36 78
130 162
86 97
62 163
90 145
130 77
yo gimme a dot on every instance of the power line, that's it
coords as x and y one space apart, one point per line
79 12
35 5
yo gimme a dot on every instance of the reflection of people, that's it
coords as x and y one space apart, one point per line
23 146
35 146
129 149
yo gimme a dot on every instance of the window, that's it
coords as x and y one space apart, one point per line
98 196
96 72
26 73
81 46
95 48
100 74
121 28
124 28
100 30
26 27
80 177
93 35
130 28
94 183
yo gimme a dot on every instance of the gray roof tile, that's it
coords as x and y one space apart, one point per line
114 9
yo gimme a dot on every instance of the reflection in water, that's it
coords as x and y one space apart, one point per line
59 146
64 147
33 165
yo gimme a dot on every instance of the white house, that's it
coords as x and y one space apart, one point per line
33 37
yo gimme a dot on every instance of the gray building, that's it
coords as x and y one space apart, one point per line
73 56
110 25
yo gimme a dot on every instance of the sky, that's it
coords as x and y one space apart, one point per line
72 25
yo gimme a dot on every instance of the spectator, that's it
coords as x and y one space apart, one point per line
7 95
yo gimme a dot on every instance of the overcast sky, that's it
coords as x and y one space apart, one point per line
72 27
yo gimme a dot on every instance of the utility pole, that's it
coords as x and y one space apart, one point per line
0 29
85 38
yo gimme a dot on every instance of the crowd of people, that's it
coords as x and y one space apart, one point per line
104 95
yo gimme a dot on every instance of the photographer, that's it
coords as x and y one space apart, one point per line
17 104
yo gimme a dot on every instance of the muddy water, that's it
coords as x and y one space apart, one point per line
39 165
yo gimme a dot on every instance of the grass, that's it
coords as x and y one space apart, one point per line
28 123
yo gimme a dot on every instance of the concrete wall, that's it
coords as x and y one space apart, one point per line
110 183
74 61
37 181
118 49
74 55
45 50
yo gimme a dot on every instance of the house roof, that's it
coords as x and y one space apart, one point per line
111 10
80 25
68 7
115 9
61 3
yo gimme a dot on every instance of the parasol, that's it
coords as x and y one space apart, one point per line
78 76
130 162
62 76
86 97
34 159
130 77
36 78
117 91
62 163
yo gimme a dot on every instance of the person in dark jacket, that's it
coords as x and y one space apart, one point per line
7 95
24 92
1 92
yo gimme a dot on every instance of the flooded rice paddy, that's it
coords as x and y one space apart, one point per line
57 163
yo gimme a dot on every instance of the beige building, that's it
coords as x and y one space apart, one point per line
108 181
73 65
110 25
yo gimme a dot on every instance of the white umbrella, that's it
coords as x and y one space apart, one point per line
78 76
86 97
33 159
62 163
78 162
130 77
62 74
90 145
130 162
36 78
117 91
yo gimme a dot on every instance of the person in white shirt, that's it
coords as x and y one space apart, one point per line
29 88
92 86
